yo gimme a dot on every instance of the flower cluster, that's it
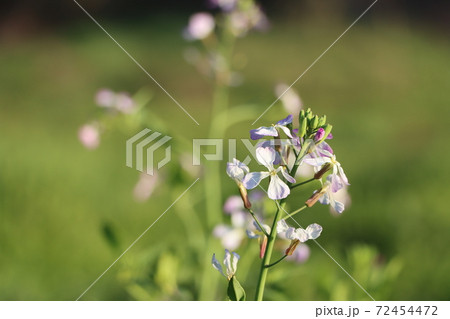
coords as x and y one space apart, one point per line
114 104
234 19
283 149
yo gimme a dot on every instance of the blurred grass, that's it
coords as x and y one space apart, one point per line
383 86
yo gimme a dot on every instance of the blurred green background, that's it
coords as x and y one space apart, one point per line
67 213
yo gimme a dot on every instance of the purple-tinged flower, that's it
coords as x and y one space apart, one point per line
341 196
338 177
232 236
329 196
313 231
145 186
297 236
263 131
242 21
237 170
277 188
89 136
320 134
200 26
229 262
233 204
105 98
124 103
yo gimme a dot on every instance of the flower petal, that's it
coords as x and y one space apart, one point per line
232 239
262 131
266 156
282 226
286 120
215 263
291 233
324 147
325 199
301 234
336 182
227 262
316 161
343 176
236 258
314 231
277 188
286 175
253 179
221 230
337 206
237 170
251 234
285 130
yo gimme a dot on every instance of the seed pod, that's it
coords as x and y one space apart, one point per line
244 196
315 197
325 168
290 250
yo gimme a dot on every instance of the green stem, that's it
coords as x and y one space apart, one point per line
257 221
302 183
213 191
279 260
268 254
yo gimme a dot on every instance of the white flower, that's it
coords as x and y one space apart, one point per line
145 186
313 231
237 170
105 98
200 26
229 262
89 136
263 131
329 196
277 188
338 177
232 236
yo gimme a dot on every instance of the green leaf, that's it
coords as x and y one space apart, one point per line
235 290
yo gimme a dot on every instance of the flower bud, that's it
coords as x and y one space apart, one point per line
301 115
314 122
322 120
302 128
290 250
327 130
319 134
325 168
244 196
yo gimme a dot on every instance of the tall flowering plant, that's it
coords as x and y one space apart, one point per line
282 150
